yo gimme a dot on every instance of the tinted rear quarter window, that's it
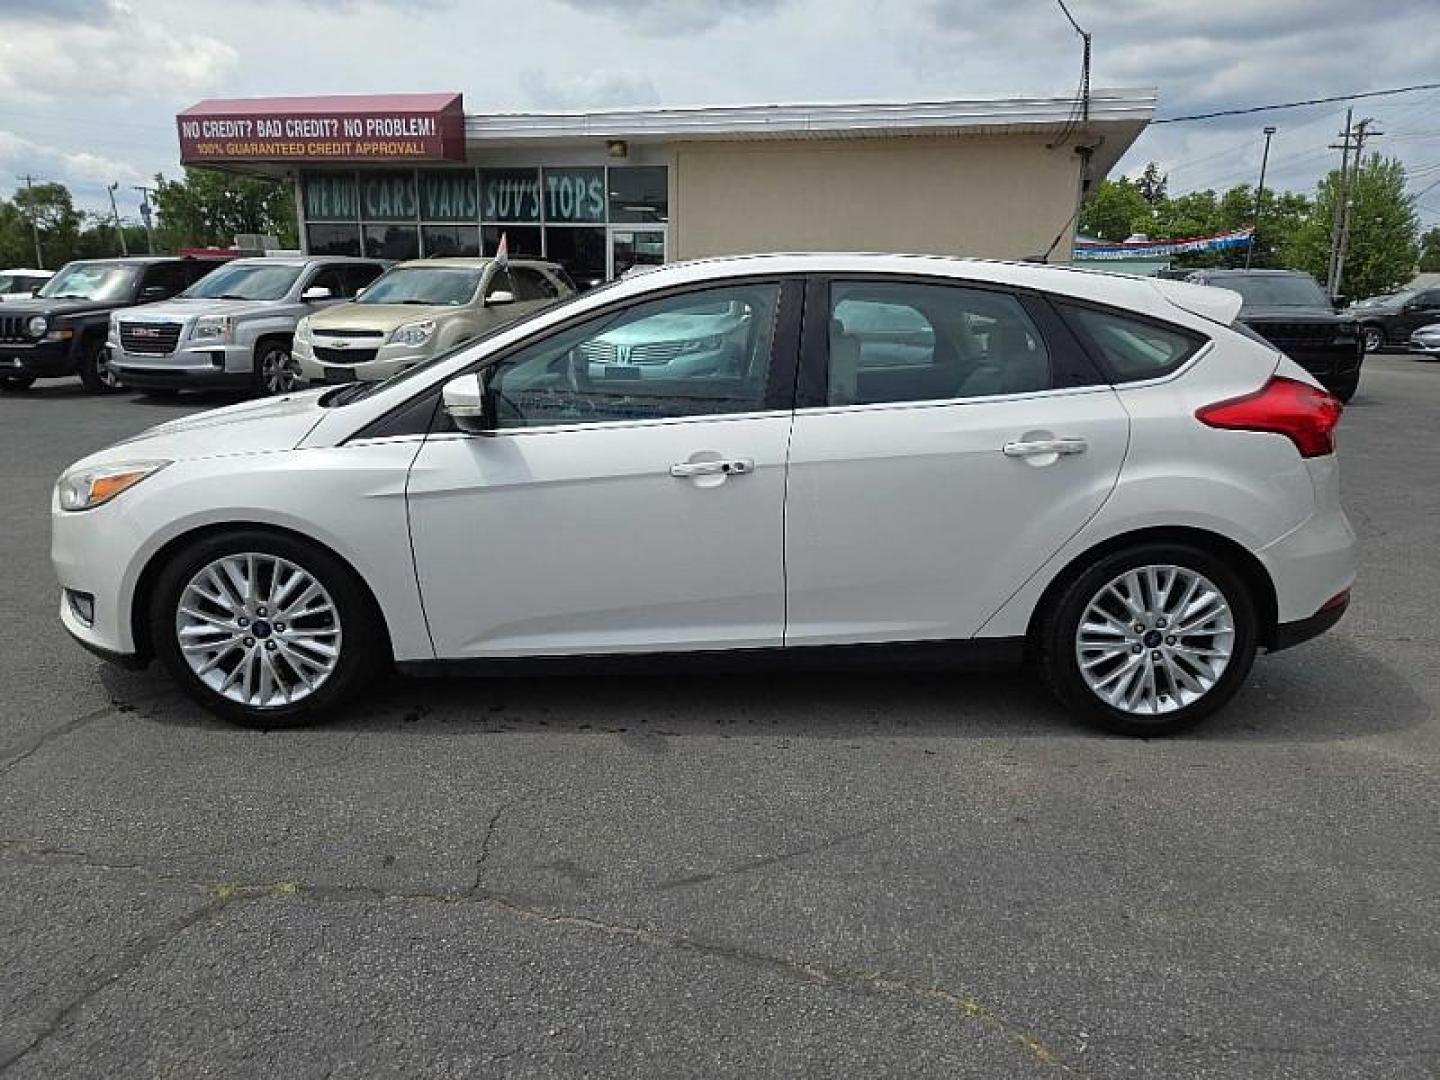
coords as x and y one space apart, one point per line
1131 349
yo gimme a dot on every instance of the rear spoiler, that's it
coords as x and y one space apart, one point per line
1217 305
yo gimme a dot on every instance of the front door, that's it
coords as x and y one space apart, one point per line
953 452
631 495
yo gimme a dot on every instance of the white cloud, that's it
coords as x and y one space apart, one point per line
19 155
121 55
600 89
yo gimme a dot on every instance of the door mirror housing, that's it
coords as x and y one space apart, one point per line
467 402
315 292
499 296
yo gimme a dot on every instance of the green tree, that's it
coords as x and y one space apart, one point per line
1430 251
208 209
1384 231
1114 210
1153 184
52 209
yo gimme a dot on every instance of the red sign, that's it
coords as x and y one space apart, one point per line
388 127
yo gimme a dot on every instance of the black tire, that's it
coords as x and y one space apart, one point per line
14 384
95 372
1060 626
364 645
276 371
1374 338
1345 386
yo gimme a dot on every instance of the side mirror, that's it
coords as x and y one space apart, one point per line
359 292
315 292
154 292
467 403
499 297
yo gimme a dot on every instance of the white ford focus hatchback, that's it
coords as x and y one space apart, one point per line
898 457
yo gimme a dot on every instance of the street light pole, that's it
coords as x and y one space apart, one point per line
1259 197
119 229
146 215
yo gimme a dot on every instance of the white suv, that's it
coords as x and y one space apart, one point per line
920 459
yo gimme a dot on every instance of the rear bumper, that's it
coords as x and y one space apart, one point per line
1301 630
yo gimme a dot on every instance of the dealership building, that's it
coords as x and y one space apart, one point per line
411 175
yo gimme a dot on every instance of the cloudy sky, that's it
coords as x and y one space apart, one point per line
89 88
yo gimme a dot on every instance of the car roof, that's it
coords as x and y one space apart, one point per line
148 260
25 271
470 262
1218 272
303 260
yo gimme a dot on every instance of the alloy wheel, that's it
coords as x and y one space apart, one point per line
258 630
1374 341
104 372
279 371
1155 639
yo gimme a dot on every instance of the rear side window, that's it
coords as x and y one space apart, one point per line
1132 349
532 285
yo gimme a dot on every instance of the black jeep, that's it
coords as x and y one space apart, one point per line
1391 319
62 331
1290 310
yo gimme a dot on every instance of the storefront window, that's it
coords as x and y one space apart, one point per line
450 240
449 195
638 194
574 195
387 196
392 242
331 197
642 247
333 240
510 195
580 251
520 240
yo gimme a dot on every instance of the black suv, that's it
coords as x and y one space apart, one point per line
1390 320
1290 310
62 331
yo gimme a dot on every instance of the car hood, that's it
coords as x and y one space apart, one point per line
1294 314
376 316
42 306
677 327
252 427
179 309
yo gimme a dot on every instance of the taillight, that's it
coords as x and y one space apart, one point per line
1304 415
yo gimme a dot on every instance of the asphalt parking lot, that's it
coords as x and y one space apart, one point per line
821 874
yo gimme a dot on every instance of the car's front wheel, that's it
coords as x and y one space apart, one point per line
1150 640
264 629
276 369
95 371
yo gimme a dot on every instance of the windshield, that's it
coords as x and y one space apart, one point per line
245 281
1274 290
91 281
431 285
1395 299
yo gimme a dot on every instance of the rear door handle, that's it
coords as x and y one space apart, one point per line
728 467
1036 447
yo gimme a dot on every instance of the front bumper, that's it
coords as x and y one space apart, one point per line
1327 361
1429 344
389 360
194 366
41 359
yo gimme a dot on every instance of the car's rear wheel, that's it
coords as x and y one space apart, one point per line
1150 640
264 629
11 384
95 371
1374 339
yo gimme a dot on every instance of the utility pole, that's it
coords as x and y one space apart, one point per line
34 227
119 229
1332 280
146 215
1362 132
1259 197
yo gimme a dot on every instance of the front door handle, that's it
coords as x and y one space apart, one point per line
726 467
1036 447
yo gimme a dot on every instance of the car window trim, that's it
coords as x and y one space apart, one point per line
1199 341
780 384
1071 367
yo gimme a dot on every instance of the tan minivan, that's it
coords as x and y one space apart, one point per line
419 309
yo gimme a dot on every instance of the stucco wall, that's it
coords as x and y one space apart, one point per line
989 197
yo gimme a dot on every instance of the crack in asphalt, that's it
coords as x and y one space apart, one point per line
69 726
224 894
480 859
764 862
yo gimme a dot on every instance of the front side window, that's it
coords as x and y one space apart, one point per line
898 342
244 281
531 284
164 280
430 285
698 354
1132 348
91 281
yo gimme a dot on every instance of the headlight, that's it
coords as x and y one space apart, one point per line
704 344
36 326
113 333
415 333
213 328
85 489
302 329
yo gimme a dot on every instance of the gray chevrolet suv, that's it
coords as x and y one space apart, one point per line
233 328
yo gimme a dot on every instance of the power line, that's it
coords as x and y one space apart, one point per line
1294 104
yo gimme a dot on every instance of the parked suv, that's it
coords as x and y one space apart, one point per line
62 330
1291 311
1390 320
233 328
418 310
21 284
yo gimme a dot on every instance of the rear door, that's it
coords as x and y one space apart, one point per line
950 438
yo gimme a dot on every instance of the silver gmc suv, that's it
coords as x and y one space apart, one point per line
234 327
